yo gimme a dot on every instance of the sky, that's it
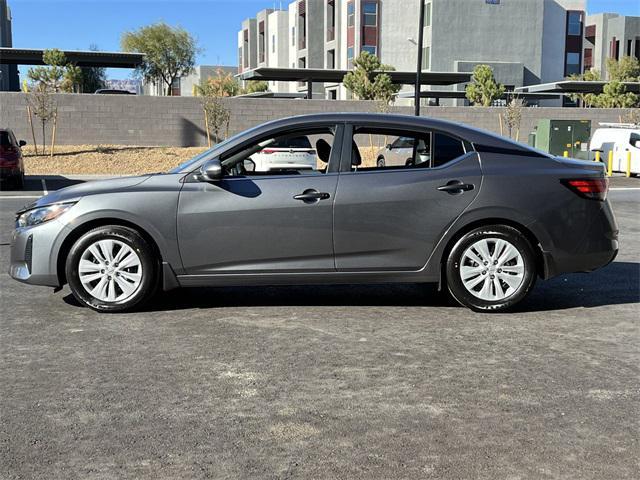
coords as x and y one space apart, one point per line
78 24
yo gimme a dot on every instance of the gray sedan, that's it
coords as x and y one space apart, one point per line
479 214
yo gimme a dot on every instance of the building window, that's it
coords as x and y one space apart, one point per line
369 48
273 44
302 25
573 63
331 59
332 94
574 26
261 42
628 48
240 58
351 14
637 54
370 12
331 20
427 15
302 63
426 58
245 48
350 57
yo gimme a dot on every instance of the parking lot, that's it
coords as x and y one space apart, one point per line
363 382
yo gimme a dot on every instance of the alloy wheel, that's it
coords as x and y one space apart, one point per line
110 270
492 269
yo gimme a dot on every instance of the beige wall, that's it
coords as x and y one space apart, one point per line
178 121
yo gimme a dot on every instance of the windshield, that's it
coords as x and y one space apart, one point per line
190 164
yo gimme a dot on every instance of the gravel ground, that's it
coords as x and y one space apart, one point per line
106 159
326 382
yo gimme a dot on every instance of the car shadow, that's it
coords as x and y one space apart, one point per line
618 283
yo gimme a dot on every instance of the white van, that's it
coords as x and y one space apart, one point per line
619 138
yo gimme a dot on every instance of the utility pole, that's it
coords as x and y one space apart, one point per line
419 69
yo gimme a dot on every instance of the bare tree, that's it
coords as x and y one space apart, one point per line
512 117
43 106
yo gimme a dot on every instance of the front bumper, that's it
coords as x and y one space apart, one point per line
32 258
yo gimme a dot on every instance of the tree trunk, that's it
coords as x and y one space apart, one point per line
44 143
33 133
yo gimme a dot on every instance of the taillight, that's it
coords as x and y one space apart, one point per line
592 188
268 151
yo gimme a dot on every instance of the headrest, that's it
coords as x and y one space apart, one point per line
324 150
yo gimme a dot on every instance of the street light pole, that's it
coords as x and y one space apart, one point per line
419 68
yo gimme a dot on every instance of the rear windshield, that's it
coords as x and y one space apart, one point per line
298 142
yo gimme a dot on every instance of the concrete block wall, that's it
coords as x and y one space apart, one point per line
178 121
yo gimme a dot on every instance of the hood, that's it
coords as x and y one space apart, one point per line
75 192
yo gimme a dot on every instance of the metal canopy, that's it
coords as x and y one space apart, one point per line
81 58
336 76
574 86
437 94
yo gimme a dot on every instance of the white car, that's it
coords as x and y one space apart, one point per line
620 139
400 152
287 154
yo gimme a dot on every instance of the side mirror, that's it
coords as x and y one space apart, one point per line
211 170
388 146
22 143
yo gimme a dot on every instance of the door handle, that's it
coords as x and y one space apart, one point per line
311 196
455 187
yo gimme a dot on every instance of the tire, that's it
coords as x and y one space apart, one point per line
18 182
101 283
380 162
491 286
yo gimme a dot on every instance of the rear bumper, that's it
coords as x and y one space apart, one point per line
595 247
8 172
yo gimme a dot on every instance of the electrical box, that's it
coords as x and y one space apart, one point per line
559 136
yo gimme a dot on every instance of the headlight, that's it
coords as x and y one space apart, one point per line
42 214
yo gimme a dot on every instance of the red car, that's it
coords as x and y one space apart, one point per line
11 164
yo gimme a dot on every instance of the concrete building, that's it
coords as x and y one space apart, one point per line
185 86
609 35
525 41
9 80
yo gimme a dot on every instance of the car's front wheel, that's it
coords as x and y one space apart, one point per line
491 268
380 162
111 269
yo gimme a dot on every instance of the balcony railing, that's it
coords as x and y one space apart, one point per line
331 34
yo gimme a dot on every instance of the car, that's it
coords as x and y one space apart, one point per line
400 153
620 139
11 162
288 153
484 218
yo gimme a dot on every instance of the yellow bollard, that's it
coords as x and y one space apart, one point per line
566 154
628 163
610 164
597 159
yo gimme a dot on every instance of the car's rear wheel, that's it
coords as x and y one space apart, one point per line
112 269
491 269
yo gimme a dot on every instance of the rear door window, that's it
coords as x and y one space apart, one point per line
385 149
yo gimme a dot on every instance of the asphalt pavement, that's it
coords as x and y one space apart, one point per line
364 382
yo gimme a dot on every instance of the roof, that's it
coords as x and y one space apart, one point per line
383 120
575 86
81 58
336 76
